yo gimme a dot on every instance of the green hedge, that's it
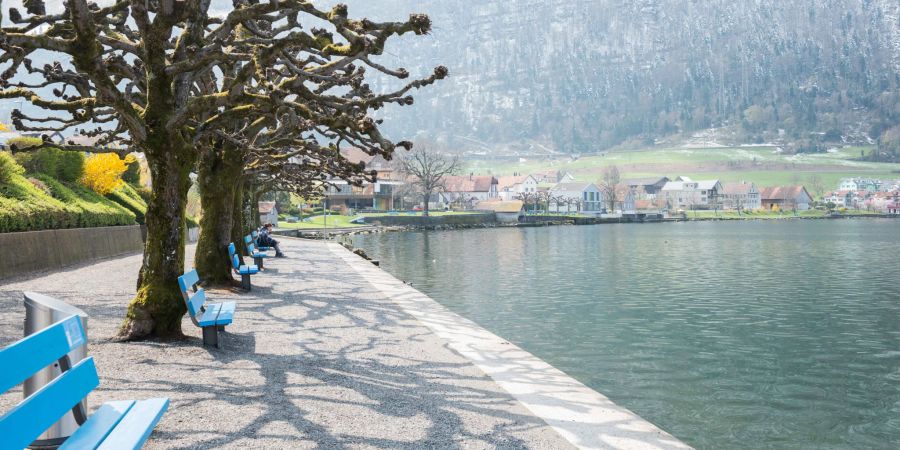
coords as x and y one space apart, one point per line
26 206
65 166
130 198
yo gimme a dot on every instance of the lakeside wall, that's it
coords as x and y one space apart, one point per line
31 251
420 221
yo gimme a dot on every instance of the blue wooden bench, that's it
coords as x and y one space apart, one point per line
255 235
243 270
258 257
115 425
210 317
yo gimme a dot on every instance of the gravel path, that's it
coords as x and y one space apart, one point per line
316 358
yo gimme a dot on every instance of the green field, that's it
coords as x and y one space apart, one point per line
764 166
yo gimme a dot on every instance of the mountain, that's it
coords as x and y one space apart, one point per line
578 76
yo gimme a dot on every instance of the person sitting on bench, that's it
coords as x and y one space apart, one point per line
265 240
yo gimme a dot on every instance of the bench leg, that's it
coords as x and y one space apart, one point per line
245 281
211 336
258 262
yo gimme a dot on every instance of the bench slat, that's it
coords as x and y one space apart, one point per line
99 425
134 429
226 313
188 280
209 317
197 301
25 357
251 270
25 422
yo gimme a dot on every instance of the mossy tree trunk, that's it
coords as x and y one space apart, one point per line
158 307
219 170
237 213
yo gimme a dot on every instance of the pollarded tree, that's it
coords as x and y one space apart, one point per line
149 75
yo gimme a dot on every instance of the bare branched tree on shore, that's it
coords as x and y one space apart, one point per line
607 186
426 169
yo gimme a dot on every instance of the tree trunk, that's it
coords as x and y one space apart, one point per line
425 204
237 211
158 307
216 179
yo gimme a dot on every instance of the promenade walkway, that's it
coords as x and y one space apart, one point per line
329 352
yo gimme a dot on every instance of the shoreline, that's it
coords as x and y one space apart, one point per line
322 233
581 415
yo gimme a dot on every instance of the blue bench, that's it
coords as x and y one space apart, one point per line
210 317
258 257
115 425
243 270
255 235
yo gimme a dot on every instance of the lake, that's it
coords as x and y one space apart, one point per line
752 334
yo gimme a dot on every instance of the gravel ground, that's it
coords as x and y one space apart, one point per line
316 358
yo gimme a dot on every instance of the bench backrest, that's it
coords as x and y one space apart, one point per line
21 425
248 240
187 283
235 260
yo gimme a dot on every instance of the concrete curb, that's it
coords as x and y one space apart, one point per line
579 414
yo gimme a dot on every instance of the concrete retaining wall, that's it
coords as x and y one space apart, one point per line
420 221
31 251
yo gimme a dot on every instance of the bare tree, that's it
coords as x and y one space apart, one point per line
426 169
816 184
608 184
528 198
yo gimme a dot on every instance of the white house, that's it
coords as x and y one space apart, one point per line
510 187
741 195
586 198
477 188
685 193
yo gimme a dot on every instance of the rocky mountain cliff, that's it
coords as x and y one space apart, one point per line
580 75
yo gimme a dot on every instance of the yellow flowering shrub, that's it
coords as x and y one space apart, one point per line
103 172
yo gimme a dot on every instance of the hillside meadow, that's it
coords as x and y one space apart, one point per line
761 165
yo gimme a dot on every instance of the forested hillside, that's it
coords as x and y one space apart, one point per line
582 75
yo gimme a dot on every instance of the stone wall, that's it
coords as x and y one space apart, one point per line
31 251
420 221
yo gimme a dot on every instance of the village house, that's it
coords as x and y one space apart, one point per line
740 196
685 193
646 188
583 197
893 207
785 198
860 184
553 177
510 187
625 199
841 199
474 187
268 213
511 211
384 194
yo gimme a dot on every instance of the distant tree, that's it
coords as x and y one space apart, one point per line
426 169
816 184
608 184
543 199
528 198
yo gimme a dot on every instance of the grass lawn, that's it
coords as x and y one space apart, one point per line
334 221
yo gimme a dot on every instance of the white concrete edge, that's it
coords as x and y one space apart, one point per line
578 413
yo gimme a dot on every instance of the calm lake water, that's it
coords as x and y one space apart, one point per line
759 334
